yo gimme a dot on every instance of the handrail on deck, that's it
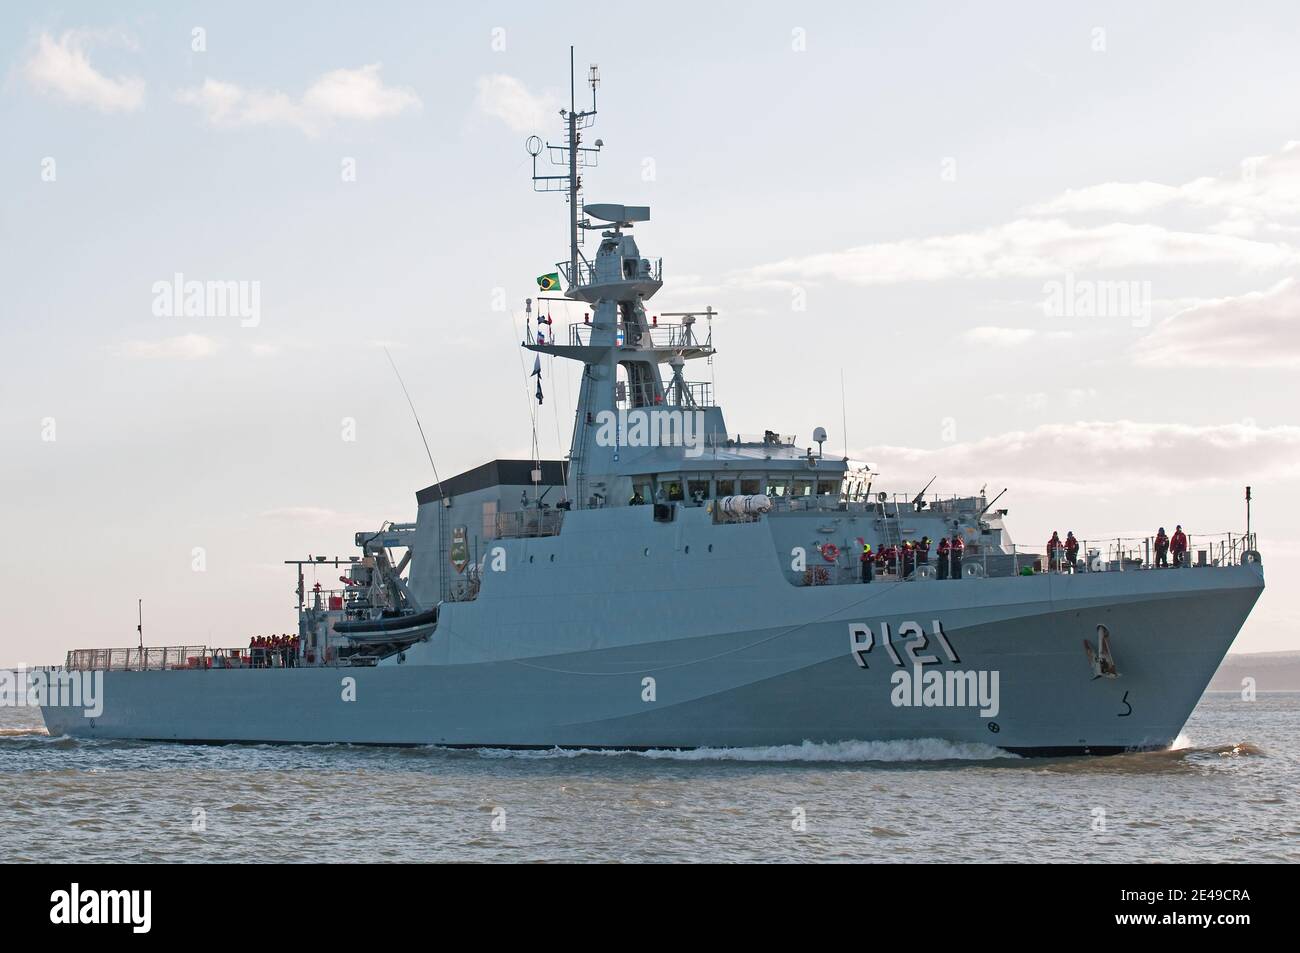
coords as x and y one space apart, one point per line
1115 554
154 658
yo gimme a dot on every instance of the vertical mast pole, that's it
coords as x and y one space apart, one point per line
573 178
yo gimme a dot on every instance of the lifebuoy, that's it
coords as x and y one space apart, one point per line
830 552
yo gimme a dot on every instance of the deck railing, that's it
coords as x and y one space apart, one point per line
588 273
154 658
528 522
668 394
1115 554
663 334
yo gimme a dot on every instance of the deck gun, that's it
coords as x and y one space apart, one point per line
918 501
989 505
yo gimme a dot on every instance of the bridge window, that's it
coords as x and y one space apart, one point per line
828 487
750 487
697 490
672 490
803 487
725 488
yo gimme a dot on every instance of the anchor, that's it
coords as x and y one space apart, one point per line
1100 660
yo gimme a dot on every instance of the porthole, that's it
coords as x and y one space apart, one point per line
688 550
530 558
646 551
710 547
552 557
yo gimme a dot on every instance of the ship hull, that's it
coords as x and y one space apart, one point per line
992 661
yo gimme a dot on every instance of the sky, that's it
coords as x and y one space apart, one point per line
1053 250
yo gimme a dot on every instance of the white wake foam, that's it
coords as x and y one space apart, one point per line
919 749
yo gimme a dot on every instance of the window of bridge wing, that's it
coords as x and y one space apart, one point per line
778 486
724 487
802 488
642 491
697 491
751 486
669 490
828 487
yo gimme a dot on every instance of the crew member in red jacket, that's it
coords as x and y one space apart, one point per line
1071 550
945 555
1178 545
1054 547
1162 549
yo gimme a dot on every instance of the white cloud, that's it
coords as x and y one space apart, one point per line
1260 329
506 98
1262 187
1029 248
343 94
61 68
1126 198
1099 457
999 337
186 347
358 94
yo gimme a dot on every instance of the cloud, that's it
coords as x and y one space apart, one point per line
1028 248
999 337
358 94
342 94
1100 457
1126 198
303 514
1263 187
506 98
186 347
1260 329
61 68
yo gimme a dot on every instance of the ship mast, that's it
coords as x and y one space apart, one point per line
572 155
621 346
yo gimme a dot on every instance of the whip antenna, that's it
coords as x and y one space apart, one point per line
418 425
844 415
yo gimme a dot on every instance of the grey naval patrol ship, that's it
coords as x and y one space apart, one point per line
674 584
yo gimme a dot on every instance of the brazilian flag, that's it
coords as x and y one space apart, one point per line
549 282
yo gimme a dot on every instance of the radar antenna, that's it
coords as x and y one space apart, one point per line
572 155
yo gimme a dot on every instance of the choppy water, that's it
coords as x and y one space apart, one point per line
1226 793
